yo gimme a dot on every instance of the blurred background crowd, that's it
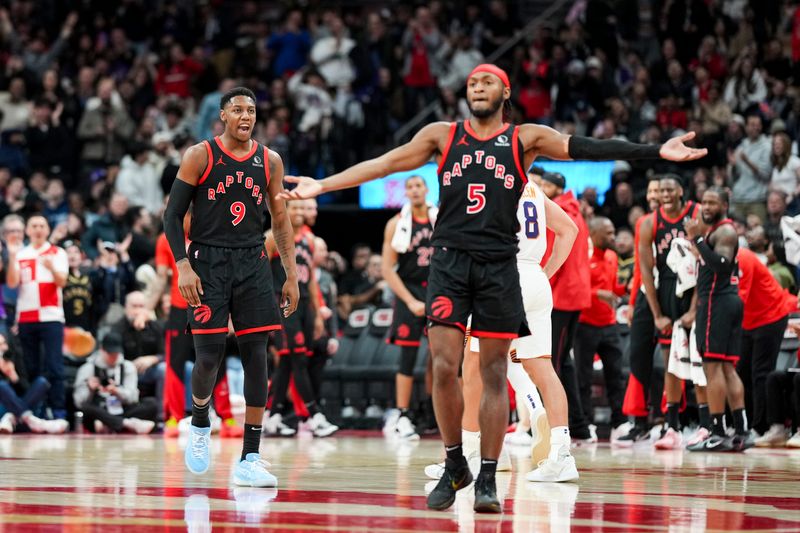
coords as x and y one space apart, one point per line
99 100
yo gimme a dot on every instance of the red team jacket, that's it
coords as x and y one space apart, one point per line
765 301
603 275
571 284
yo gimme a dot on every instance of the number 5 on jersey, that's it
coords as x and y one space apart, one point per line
476 197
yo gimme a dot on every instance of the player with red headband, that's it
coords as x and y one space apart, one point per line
482 164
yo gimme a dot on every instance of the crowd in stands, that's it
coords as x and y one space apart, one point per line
99 100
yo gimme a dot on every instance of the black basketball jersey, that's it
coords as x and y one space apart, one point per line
709 283
413 266
230 201
304 258
78 310
664 230
480 184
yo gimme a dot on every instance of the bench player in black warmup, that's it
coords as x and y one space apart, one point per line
295 342
233 182
656 234
407 255
719 321
482 164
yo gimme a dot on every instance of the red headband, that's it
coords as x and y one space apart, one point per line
491 69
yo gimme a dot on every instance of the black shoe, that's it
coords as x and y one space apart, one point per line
486 496
740 443
456 476
714 443
637 434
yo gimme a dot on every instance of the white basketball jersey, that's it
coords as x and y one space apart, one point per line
532 225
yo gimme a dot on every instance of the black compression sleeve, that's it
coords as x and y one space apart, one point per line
715 261
610 149
180 196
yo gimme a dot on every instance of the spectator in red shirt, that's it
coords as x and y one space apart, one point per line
571 286
766 313
597 331
176 73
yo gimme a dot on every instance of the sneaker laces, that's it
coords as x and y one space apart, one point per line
200 444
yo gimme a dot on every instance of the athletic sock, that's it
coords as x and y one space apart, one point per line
200 415
641 422
488 467
455 452
404 412
718 424
559 442
252 439
672 415
739 421
705 416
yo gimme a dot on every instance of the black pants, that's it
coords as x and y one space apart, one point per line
639 398
783 397
605 342
146 409
564 325
760 349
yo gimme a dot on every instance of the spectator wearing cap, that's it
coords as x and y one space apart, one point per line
109 227
571 294
78 295
106 390
139 181
751 169
113 277
40 271
19 397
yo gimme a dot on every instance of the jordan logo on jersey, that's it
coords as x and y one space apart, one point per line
477 158
463 141
220 161
249 184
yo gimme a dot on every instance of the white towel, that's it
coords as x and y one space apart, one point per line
790 226
682 261
679 362
697 373
402 232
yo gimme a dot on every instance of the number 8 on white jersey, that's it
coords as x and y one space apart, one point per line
532 225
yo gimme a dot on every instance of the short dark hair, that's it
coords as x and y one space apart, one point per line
236 91
721 192
672 176
537 170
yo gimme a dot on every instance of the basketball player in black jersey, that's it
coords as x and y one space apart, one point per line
233 181
719 320
482 164
300 329
656 234
406 272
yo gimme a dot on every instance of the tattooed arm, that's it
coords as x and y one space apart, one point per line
283 234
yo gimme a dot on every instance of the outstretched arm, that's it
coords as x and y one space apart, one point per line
543 141
409 156
283 234
565 231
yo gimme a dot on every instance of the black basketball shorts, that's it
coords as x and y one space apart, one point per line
718 328
297 336
458 286
671 305
236 282
407 328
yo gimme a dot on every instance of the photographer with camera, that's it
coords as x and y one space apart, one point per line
106 390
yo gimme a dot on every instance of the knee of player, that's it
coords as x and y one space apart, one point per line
493 372
444 367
